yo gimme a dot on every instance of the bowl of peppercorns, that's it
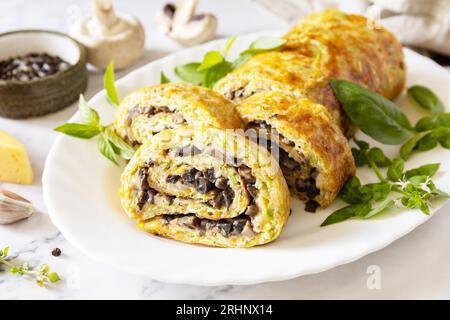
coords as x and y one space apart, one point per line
40 72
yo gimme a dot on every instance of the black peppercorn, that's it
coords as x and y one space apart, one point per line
56 252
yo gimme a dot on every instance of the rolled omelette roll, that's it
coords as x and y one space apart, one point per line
313 154
324 46
206 186
149 110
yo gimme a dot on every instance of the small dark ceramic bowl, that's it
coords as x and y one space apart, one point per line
24 99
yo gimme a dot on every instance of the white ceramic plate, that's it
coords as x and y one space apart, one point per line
80 190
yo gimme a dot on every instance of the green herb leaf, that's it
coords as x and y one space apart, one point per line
425 98
110 85
360 157
386 204
243 58
377 155
88 115
353 193
356 210
78 130
395 170
210 59
267 43
216 73
372 113
428 170
407 149
189 73
164 78
106 149
363 145
53 277
379 191
228 45
427 143
124 149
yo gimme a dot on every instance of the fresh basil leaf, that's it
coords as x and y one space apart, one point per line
372 113
356 210
442 134
360 158
426 143
88 115
426 98
228 45
445 142
386 204
407 149
164 78
363 145
395 170
267 43
354 193
377 155
216 73
210 59
379 191
123 148
79 130
428 170
189 73
443 120
426 124
243 58
109 83
106 149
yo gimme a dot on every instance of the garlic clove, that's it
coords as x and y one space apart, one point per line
13 207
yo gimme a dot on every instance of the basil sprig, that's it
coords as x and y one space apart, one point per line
375 115
215 65
382 120
414 187
110 144
109 83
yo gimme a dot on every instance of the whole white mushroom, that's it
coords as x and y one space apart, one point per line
181 23
110 36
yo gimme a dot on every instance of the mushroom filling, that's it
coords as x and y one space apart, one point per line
238 226
298 172
239 94
176 119
204 181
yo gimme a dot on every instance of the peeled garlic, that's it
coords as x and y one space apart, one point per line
13 207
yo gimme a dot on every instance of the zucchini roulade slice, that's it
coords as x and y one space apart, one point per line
206 186
150 110
314 155
324 46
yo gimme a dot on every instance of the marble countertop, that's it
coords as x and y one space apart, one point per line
415 266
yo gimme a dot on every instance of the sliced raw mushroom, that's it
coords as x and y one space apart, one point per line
181 23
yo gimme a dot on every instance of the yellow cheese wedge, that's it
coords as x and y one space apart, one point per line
14 164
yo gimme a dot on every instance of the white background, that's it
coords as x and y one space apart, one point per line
415 266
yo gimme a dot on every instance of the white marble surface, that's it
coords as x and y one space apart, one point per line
415 266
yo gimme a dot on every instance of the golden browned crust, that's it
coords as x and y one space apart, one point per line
193 105
310 127
323 46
